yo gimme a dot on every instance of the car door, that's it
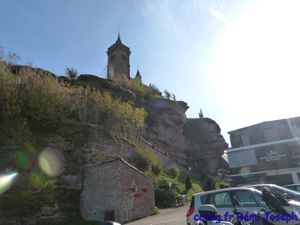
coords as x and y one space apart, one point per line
247 200
222 201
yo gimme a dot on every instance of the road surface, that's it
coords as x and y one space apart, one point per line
173 216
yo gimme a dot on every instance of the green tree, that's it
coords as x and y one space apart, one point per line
188 183
167 94
173 97
210 184
173 173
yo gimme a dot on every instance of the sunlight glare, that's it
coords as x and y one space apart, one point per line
51 162
6 181
256 70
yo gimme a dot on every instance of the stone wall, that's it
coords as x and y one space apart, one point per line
116 186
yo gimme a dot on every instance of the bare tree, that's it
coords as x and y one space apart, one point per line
71 73
12 58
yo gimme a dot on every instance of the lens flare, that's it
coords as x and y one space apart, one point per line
51 161
6 181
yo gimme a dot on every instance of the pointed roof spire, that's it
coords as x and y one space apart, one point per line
118 44
119 39
138 74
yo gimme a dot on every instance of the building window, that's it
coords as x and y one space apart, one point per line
123 57
112 57
245 140
271 134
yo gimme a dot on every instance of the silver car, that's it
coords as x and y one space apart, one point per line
249 198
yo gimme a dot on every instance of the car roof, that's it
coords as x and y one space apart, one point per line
260 185
227 189
291 185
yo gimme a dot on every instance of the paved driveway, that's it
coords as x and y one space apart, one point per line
174 216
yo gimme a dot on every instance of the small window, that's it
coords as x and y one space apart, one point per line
260 201
246 198
222 199
123 57
112 57
205 199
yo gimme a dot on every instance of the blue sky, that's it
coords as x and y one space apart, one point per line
236 60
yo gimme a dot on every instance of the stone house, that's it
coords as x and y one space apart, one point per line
115 190
267 152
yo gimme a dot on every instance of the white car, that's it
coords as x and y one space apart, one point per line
250 200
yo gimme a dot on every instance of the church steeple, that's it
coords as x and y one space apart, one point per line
119 39
118 60
138 75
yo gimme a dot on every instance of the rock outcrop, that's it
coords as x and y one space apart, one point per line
204 146
194 144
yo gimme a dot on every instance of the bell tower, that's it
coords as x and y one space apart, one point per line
118 60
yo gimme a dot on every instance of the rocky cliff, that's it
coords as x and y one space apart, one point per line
89 132
194 144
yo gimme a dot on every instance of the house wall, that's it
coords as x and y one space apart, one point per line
118 187
101 191
137 200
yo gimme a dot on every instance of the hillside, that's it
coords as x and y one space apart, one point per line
88 120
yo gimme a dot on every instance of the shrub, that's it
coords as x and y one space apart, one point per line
145 159
188 183
210 184
156 210
165 197
156 169
196 188
173 173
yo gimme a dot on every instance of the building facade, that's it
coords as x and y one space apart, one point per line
118 60
115 190
267 152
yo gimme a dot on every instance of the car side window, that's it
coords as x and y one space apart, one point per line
246 198
205 199
260 201
222 199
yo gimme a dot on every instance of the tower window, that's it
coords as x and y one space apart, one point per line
112 57
123 57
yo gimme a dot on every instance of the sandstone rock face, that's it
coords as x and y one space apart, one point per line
164 127
204 146
194 144
106 85
19 69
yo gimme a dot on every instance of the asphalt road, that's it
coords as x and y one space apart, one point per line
174 216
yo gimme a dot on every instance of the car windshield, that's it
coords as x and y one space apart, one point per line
278 190
283 190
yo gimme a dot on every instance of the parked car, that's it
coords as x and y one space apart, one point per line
249 198
294 187
278 190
